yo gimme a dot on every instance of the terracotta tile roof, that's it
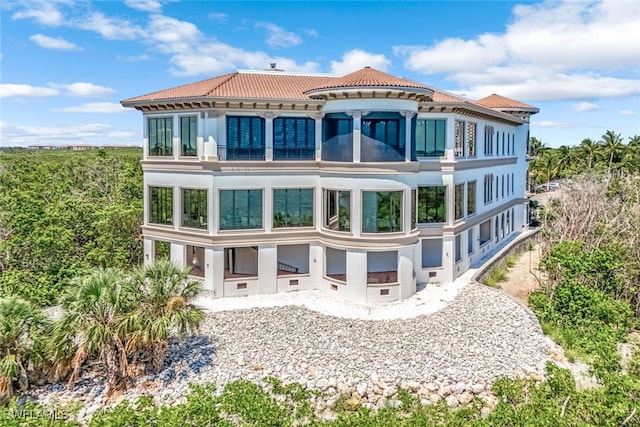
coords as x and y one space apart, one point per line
446 97
497 101
369 77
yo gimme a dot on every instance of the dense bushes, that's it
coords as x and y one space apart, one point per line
64 213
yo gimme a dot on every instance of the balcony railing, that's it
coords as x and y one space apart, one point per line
234 153
295 153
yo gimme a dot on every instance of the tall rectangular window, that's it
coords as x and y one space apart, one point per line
459 139
432 205
502 187
161 205
293 207
194 208
459 201
240 209
430 138
488 188
471 197
488 140
160 132
485 232
471 139
188 135
512 181
294 138
381 211
414 207
337 210
470 241
382 139
458 248
245 138
337 139
508 186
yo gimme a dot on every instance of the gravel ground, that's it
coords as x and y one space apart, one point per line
453 354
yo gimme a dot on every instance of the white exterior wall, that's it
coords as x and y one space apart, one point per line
212 133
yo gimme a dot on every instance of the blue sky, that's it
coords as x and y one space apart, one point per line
66 64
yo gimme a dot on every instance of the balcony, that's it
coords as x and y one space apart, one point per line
241 153
294 153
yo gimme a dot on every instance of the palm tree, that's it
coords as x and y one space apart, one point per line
591 150
612 146
164 291
536 147
564 157
22 329
93 325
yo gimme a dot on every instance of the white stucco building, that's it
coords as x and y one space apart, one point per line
362 185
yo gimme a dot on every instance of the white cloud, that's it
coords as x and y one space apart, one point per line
153 6
278 36
94 107
551 124
627 113
217 17
310 32
9 90
581 107
133 58
83 89
356 59
53 42
109 28
172 35
44 13
548 52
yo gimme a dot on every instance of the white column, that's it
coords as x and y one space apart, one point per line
221 136
357 126
177 254
214 272
316 263
450 139
268 136
318 135
408 116
267 269
405 272
145 148
356 211
450 200
448 258
356 289
149 254
176 139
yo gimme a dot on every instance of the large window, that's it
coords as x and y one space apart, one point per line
488 140
488 188
161 205
472 129
294 138
459 201
458 148
245 138
337 140
194 208
293 207
431 204
337 210
382 138
470 241
240 209
160 136
430 138
188 135
381 211
471 197
485 232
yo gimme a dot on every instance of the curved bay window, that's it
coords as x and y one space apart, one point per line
240 209
161 205
337 137
294 138
381 211
293 207
337 210
432 206
430 137
382 138
194 208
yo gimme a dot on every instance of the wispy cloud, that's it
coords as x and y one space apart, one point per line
94 107
152 6
109 28
355 59
86 133
627 113
9 90
84 89
43 12
53 42
278 36
217 17
551 124
581 107
133 58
